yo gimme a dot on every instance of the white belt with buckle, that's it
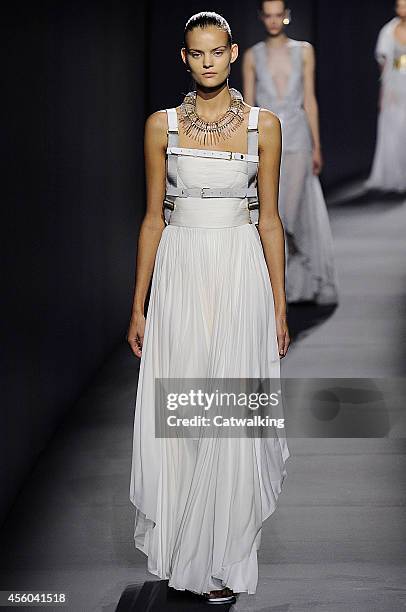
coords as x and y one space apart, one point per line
214 154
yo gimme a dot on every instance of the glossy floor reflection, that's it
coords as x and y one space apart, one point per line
155 596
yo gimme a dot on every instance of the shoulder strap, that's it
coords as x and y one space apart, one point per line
173 131
172 162
253 117
253 205
253 130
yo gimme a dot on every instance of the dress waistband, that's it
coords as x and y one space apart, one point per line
202 212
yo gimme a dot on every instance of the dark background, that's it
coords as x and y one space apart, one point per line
79 80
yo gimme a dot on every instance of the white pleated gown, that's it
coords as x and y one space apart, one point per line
200 504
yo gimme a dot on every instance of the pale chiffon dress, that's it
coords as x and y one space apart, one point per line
311 272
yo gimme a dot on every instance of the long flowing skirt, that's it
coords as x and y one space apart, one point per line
200 503
310 271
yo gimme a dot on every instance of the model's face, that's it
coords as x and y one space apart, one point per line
208 55
272 16
401 9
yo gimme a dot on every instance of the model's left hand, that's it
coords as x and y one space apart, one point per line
317 161
282 333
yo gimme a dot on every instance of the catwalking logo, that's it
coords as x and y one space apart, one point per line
221 421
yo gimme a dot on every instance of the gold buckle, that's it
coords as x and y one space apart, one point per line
400 62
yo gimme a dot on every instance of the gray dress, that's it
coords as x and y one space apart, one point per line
310 273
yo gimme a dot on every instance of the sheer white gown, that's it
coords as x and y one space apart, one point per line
389 164
311 272
200 504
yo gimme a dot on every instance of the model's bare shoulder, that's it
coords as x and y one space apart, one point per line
156 127
307 48
269 131
268 121
157 122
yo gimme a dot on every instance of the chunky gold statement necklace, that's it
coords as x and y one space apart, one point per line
211 132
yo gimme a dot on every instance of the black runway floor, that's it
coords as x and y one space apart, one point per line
337 540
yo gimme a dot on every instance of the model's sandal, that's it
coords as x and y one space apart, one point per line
223 596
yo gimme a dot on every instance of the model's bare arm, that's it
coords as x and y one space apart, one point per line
310 103
270 225
248 77
155 141
381 65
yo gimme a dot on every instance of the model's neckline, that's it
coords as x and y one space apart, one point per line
401 44
271 80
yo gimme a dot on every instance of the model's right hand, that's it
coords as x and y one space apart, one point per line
135 334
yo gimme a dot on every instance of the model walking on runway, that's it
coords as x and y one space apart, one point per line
388 171
217 309
278 74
